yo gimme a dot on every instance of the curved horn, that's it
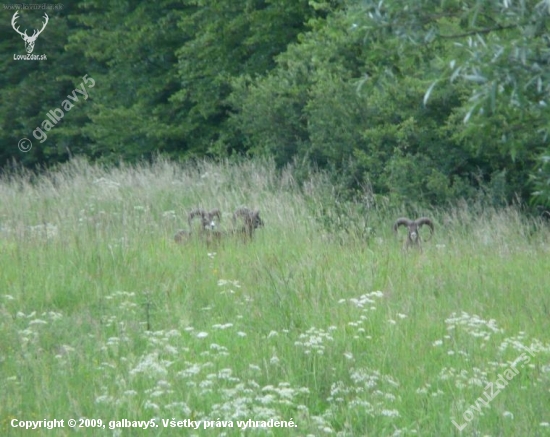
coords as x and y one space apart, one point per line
426 221
241 212
401 222
196 213
215 213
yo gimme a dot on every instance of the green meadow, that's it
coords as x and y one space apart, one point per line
321 324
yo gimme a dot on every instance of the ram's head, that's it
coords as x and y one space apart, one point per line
208 218
413 227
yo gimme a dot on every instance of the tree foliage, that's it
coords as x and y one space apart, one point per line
423 101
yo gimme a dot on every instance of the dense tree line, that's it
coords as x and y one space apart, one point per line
428 101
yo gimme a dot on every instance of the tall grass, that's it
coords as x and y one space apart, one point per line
321 319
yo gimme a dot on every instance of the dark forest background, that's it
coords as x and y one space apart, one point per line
420 101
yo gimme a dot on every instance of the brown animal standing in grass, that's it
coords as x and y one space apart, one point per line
250 219
413 227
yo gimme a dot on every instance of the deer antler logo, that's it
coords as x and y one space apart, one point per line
29 40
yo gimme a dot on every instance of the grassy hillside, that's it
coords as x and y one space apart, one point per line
322 321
